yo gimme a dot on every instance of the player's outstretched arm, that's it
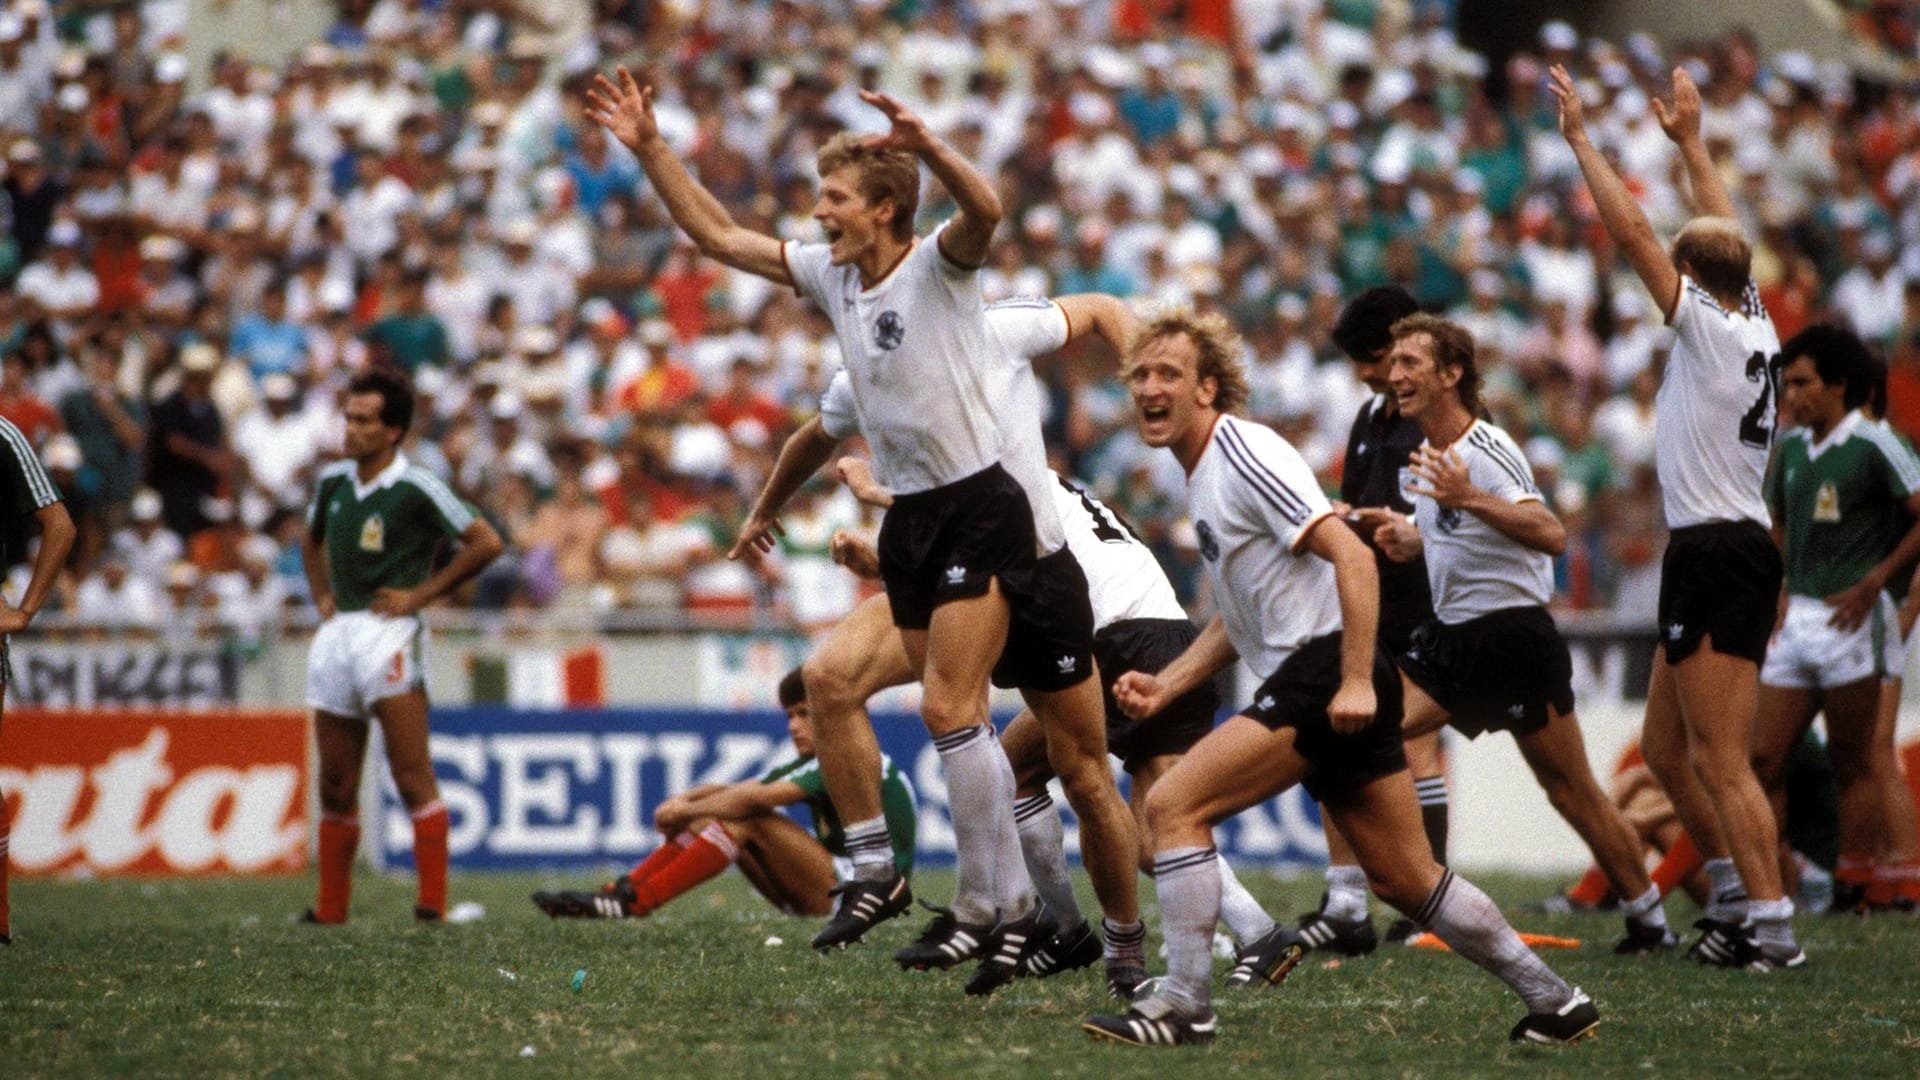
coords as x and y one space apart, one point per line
1099 313
56 541
479 545
804 452
319 583
858 476
1354 704
965 241
748 798
1624 220
1682 125
625 109
1141 695
1392 532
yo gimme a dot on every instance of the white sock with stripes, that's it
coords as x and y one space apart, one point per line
982 809
1729 901
1346 893
871 849
1462 916
1188 884
1043 846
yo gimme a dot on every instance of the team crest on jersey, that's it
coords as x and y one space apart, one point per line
373 534
890 331
1449 518
1826 503
1209 544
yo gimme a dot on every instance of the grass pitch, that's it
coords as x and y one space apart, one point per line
215 978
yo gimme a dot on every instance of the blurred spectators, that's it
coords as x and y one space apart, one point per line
192 267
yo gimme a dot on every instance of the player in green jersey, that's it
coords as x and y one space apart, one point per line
1845 495
716 826
376 523
25 493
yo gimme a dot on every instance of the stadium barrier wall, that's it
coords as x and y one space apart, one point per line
99 793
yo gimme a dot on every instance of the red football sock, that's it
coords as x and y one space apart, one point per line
430 855
662 856
1901 881
1593 889
339 839
1682 860
1862 871
704 857
6 923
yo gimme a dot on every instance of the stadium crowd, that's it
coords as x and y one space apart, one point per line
191 275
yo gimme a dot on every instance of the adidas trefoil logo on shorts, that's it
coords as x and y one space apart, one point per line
956 574
1066 665
1516 711
1675 632
1264 703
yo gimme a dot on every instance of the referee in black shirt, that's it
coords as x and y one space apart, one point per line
1377 452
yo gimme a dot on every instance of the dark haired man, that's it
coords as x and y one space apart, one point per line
1491 658
714 826
374 526
1845 493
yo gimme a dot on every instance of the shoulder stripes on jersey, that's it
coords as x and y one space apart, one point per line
38 485
1502 455
449 504
1261 478
1706 297
1750 304
1905 465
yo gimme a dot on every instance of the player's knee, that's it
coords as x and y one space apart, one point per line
831 687
1167 811
945 713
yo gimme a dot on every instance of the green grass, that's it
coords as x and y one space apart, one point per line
199 978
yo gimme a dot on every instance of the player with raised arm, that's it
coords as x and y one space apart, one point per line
1720 581
1491 658
715 826
1845 493
26 492
1048 655
376 523
1378 446
1301 602
911 324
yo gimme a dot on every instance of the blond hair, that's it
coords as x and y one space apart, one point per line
1452 348
1717 255
878 174
1217 344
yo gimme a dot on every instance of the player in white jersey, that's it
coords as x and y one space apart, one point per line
1720 580
1491 658
1300 602
911 324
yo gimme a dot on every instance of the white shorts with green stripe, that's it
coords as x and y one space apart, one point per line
1808 654
359 658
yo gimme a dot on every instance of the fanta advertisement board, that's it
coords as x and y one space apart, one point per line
103 793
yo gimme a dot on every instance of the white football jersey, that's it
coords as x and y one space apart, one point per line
1124 580
1020 329
1714 416
1253 502
917 350
1473 567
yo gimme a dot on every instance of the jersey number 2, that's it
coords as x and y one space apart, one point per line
1756 428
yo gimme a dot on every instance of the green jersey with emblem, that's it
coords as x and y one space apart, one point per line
896 798
1840 502
384 534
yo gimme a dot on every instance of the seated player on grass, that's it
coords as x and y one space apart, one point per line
712 827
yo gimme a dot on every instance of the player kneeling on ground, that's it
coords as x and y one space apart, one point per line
716 826
376 523
1300 602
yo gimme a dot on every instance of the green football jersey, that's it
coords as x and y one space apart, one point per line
385 534
1839 502
24 489
896 799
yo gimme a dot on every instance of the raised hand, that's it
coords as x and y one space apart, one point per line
910 133
1573 115
855 552
1682 121
758 535
1445 475
857 474
624 109
1139 694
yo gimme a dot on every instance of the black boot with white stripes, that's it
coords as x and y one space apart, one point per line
863 905
1154 1022
1013 942
613 902
945 942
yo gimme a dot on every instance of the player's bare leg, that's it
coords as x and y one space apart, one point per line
1852 714
1900 851
1783 716
1717 701
342 745
1072 944
1074 721
1557 754
1663 743
784 863
1382 821
403 719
